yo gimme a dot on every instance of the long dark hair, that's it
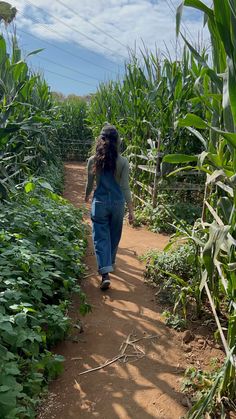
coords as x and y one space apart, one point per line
106 149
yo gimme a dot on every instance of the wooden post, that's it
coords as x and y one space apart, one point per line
157 172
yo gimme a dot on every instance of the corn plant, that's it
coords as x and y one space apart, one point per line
215 234
144 106
74 136
28 119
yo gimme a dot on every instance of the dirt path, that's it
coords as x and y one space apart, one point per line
146 388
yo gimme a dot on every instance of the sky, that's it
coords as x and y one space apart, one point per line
86 42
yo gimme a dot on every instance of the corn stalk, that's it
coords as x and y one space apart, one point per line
218 225
27 120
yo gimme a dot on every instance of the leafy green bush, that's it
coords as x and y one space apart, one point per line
175 271
54 174
162 218
42 246
180 261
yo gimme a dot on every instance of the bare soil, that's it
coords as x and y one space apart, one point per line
146 386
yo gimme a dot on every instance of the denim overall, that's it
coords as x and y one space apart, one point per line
107 215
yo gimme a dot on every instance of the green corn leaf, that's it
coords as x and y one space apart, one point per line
228 117
180 169
192 120
197 4
36 51
232 85
222 19
179 13
232 5
229 136
198 135
179 158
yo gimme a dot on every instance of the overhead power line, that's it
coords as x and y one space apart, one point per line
63 49
91 24
68 78
77 31
68 68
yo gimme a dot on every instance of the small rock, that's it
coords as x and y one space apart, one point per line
187 336
201 341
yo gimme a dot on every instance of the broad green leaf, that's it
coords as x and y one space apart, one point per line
228 116
232 5
192 120
29 187
222 19
232 84
180 169
198 135
46 185
197 4
179 13
179 158
196 54
229 136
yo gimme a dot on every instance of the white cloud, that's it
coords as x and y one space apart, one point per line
129 21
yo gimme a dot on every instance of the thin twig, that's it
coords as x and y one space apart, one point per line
103 365
122 354
125 344
87 276
145 337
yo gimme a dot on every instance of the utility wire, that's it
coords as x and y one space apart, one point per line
90 23
68 78
62 49
68 68
76 30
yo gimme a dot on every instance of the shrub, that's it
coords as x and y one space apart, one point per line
42 246
163 218
175 272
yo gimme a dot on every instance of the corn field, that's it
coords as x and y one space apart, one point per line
144 107
217 227
74 136
163 109
28 120
177 122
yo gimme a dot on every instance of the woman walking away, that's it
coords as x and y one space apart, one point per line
111 172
